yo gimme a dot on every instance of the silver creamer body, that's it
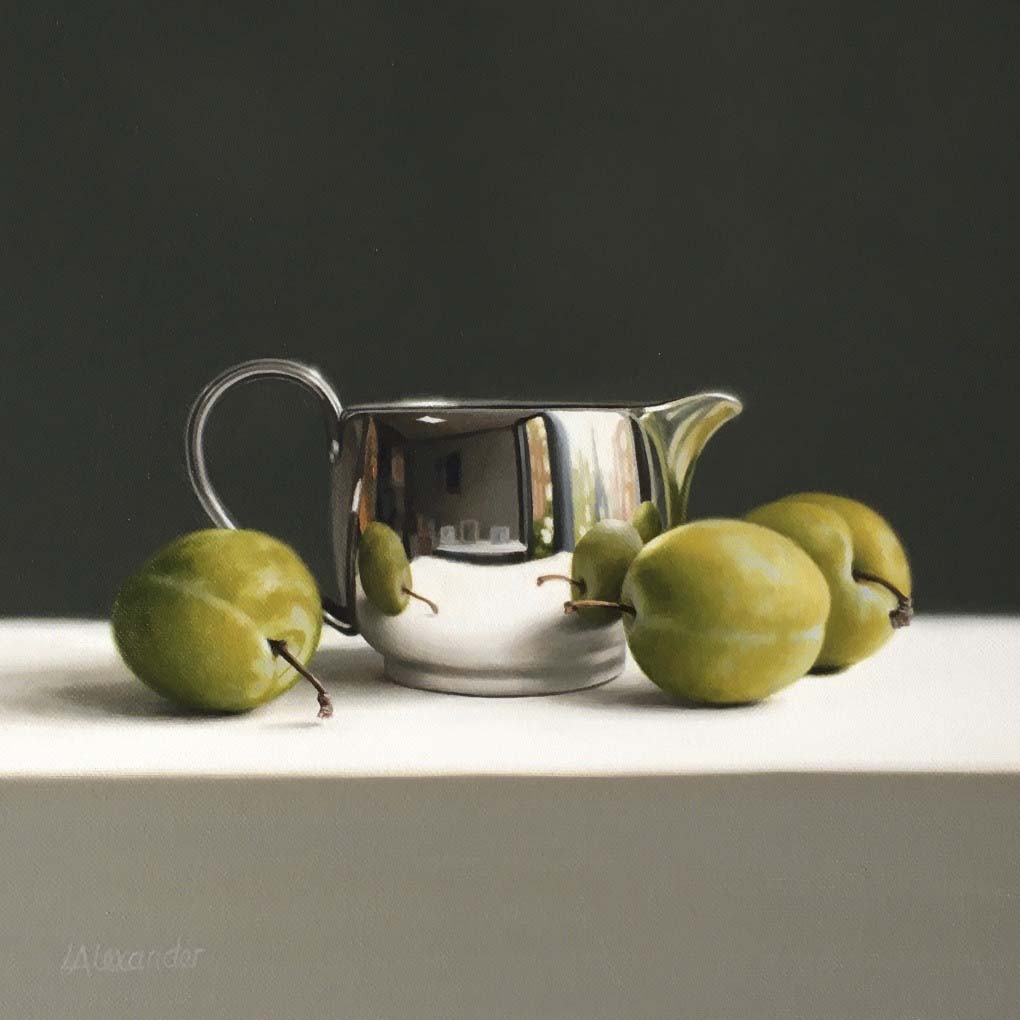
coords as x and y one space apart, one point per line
486 499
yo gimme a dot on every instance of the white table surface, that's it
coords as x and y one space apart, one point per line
942 696
574 857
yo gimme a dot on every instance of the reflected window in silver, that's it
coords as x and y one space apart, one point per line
595 452
540 479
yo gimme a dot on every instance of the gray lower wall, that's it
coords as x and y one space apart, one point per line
856 897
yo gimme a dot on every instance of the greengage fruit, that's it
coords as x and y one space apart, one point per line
385 571
647 520
599 564
220 620
723 612
864 565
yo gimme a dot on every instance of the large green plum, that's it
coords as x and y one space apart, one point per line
599 565
385 571
863 563
724 612
213 620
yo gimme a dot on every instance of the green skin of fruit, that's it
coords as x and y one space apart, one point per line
600 562
725 612
647 520
844 536
384 570
194 621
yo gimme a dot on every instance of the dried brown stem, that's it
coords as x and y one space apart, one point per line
421 598
904 611
561 577
280 648
575 604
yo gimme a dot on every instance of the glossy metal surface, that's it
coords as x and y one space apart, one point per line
485 499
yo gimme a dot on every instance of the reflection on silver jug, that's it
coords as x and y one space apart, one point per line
485 498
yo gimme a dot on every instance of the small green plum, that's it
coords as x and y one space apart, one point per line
220 621
599 564
648 521
863 562
385 571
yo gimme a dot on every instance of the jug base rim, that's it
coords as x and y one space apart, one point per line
499 684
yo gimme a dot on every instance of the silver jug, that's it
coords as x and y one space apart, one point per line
486 498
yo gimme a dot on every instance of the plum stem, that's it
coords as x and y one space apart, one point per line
421 598
904 611
575 604
580 585
279 648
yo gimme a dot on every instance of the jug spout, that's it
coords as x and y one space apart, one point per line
677 432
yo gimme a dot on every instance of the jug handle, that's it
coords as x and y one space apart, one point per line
248 371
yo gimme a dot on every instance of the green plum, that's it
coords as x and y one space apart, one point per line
385 571
864 565
723 612
599 564
648 521
221 621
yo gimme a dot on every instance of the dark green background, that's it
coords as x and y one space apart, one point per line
811 204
